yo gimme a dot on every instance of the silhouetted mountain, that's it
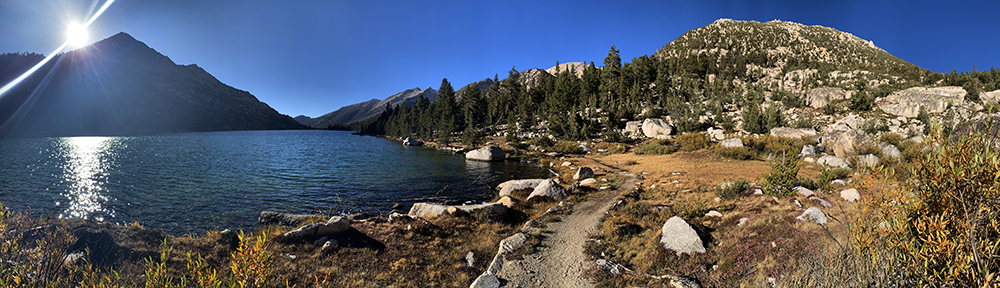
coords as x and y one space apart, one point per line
120 86
370 109
302 119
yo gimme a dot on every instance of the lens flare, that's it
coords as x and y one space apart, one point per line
83 28
76 35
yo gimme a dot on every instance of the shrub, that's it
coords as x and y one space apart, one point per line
690 208
783 175
772 144
827 175
869 148
732 189
568 147
942 228
873 126
613 147
545 142
737 153
661 147
891 138
693 141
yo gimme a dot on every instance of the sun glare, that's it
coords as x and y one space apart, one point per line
76 35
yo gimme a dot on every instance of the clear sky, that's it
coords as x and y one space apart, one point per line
312 57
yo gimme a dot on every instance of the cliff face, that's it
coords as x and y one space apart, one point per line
120 86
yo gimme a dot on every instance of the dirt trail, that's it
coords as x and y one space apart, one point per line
558 261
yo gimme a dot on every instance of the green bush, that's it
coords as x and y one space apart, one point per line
731 190
654 149
568 147
737 153
693 141
891 138
783 175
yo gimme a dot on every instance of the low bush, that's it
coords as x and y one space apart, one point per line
654 148
783 175
690 208
891 138
772 144
737 153
732 189
613 147
568 147
693 141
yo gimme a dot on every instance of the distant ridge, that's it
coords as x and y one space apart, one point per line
370 109
121 86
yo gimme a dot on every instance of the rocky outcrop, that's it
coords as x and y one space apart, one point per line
488 153
819 97
335 225
427 210
653 127
574 67
506 188
792 132
430 210
633 126
680 237
832 161
990 96
583 173
512 243
732 143
412 142
277 218
842 141
716 134
907 103
548 189
889 150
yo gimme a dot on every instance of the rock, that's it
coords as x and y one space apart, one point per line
335 225
412 142
653 127
819 97
741 221
822 202
809 159
842 142
716 134
491 208
98 243
321 241
496 265
838 182
550 189
588 181
867 160
329 246
808 151
486 280
358 216
832 161
470 259
506 188
633 126
907 103
813 214
803 191
567 164
850 195
713 213
732 143
427 210
396 217
583 173
272 217
990 96
680 237
507 201
889 150
512 243
683 282
611 267
792 132
488 153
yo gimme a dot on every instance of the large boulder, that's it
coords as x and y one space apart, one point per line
850 195
583 173
813 214
427 210
412 142
792 132
495 208
506 188
832 161
808 151
513 242
843 141
867 160
653 127
716 134
549 189
889 150
335 225
907 102
633 126
488 153
486 280
284 219
680 237
732 143
990 96
819 97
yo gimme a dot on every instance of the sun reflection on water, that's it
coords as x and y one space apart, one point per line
85 176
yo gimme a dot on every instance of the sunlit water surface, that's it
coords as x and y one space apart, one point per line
190 183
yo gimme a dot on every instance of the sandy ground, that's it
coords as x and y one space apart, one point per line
558 261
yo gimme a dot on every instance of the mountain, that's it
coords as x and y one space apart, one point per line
120 86
370 109
576 67
302 119
480 85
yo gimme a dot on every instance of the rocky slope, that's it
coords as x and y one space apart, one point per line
120 86
371 108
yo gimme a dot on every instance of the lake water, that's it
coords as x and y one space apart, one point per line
190 183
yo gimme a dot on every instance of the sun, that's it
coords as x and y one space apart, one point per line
76 35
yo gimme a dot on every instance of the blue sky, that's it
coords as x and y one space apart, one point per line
312 57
